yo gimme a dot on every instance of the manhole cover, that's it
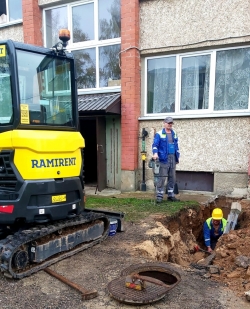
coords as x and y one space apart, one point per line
152 292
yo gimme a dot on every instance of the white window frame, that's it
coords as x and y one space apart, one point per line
8 22
203 113
87 44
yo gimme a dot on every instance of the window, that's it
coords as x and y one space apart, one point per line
45 89
195 73
56 19
10 11
95 27
83 22
213 82
161 85
232 78
6 110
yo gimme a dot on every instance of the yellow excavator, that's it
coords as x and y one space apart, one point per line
42 211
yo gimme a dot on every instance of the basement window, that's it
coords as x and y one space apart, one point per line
195 181
10 11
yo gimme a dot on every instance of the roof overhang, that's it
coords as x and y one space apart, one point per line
99 103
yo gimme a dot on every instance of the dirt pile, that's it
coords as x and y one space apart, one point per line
173 240
233 254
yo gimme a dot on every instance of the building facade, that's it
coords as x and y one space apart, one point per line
195 59
139 61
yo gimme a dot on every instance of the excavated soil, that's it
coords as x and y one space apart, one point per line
157 238
175 238
233 254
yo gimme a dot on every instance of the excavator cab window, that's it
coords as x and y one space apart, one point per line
45 89
6 108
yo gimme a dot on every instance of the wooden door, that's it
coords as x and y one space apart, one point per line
113 142
101 153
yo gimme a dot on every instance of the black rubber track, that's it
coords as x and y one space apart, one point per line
11 244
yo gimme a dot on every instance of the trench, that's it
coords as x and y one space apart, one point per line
186 227
175 238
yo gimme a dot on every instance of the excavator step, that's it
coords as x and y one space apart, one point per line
119 216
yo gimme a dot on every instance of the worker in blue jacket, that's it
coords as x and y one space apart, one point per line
165 148
213 228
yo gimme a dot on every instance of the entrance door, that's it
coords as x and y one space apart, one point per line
101 153
113 142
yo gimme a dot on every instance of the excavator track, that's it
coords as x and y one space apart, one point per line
31 250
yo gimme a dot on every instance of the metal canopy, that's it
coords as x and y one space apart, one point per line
99 103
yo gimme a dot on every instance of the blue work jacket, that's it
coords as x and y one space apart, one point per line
208 231
160 145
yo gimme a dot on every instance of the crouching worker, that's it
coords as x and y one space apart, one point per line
213 228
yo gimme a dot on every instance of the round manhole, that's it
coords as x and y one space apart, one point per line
152 292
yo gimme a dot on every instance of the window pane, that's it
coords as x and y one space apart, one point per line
109 19
56 19
83 22
109 70
232 79
44 85
85 63
195 75
15 9
3 12
161 79
6 109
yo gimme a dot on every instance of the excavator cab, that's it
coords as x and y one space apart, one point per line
41 162
36 88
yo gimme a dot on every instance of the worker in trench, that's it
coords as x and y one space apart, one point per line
213 228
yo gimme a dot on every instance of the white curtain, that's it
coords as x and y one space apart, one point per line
232 79
161 77
195 82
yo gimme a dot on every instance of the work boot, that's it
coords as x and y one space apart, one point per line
158 201
173 199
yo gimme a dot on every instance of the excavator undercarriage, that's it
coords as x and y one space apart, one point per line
30 250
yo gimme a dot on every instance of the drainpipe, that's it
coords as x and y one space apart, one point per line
143 157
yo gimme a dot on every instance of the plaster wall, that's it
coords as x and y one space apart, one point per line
217 145
234 183
14 33
167 25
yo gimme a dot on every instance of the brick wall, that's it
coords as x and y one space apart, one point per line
130 83
32 22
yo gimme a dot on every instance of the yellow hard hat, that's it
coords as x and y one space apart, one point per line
217 214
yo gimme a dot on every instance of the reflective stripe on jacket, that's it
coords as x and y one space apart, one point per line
160 145
208 230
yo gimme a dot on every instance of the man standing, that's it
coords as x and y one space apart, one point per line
213 228
165 148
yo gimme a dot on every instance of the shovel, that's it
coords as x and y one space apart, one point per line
197 248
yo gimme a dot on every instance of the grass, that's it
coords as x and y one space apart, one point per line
136 209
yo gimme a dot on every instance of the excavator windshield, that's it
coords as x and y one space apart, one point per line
45 89
6 108
37 88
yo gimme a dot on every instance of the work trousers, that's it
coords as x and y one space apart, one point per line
167 170
213 242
